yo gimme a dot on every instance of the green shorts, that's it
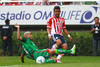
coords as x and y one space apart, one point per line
41 52
45 54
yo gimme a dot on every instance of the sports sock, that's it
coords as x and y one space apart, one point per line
61 51
54 46
59 56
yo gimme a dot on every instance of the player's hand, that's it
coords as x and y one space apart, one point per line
16 25
4 37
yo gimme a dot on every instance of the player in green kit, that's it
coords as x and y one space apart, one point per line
32 51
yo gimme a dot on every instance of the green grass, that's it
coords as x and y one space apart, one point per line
68 61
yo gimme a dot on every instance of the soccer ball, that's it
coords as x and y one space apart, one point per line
40 60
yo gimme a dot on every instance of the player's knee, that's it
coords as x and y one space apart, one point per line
52 52
58 42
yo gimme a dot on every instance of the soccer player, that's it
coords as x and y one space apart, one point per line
55 27
32 50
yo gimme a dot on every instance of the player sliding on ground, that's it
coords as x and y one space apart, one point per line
33 52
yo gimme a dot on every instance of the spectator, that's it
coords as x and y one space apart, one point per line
98 2
77 3
96 35
6 36
28 3
56 3
45 2
67 3
42 2
90 3
37 2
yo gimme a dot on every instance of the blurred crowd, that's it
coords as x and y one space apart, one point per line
46 2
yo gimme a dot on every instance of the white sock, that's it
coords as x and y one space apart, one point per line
59 56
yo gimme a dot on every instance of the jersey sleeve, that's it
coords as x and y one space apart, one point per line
49 22
64 26
23 39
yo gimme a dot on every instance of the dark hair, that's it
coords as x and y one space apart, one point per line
56 7
7 21
96 18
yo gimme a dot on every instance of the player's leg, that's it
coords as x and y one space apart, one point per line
61 51
64 43
59 57
57 44
42 52
45 53
64 46
57 41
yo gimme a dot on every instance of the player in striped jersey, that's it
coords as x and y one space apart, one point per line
55 27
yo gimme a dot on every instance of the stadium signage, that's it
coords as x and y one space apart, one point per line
38 15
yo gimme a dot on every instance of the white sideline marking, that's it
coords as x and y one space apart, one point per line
11 66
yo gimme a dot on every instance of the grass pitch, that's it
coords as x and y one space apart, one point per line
68 61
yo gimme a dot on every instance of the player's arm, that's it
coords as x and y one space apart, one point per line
67 34
18 32
49 29
49 35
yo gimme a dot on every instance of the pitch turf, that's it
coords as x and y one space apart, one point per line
68 61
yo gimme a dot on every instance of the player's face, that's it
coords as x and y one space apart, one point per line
57 13
29 35
96 20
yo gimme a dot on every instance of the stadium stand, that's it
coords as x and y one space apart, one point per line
46 2
90 3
